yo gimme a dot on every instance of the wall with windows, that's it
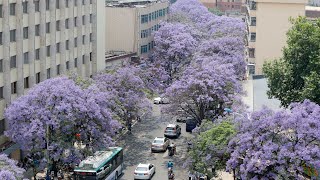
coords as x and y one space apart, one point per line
131 29
268 24
41 39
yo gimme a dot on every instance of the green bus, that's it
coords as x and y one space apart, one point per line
106 165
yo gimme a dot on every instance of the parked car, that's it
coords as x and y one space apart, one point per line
191 124
161 100
172 130
160 144
144 171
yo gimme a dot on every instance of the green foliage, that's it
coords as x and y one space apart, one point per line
210 147
295 76
215 11
83 82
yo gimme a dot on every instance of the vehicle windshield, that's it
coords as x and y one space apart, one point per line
158 141
141 169
170 128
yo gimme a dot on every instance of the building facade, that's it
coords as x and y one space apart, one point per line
226 6
41 39
268 22
131 25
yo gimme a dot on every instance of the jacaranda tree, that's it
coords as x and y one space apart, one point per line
9 169
174 46
204 90
128 95
277 145
57 113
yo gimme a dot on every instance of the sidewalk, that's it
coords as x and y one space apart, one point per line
248 97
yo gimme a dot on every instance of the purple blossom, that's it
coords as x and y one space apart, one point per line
9 169
277 143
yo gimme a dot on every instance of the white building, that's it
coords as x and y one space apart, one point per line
40 39
131 24
314 2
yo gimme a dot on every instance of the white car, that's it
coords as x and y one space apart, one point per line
160 100
144 171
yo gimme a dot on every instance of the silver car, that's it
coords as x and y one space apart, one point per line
172 130
160 144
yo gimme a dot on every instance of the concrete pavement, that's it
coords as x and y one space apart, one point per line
137 147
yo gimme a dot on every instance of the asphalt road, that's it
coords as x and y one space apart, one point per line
137 147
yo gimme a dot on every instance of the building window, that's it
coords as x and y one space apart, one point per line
149 17
1 12
67 23
48 27
14 87
83 18
13 35
252 5
90 1
67 65
1 65
58 69
48 51
13 62
1 93
26 58
2 125
76 62
58 25
67 45
90 37
75 2
91 18
37 54
67 3
75 21
83 3
25 7
75 42
37 30
144 49
1 41
253 21
144 19
83 39
251 52
38 77
149 46
25 33
253 37
48 73
58 48
26 82
83 60
57 4
90 56
47 4
37 6
12 9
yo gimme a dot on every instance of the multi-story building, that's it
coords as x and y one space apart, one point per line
41 39
226 6
268 22
131 24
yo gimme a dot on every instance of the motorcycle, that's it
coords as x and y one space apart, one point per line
171 176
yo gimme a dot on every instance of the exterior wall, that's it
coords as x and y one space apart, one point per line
120 29
224 5
124 28
272 23
60 60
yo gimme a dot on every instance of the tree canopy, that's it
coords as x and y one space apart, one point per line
277 145
296 75
9 169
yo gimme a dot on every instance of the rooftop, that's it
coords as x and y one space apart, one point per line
131 3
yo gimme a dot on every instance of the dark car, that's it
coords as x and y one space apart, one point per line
191 124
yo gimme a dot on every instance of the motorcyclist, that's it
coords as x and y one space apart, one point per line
170 164
172 148
171 176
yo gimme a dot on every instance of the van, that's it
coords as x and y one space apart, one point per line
191 124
